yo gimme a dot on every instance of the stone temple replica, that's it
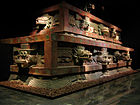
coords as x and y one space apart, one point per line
68 50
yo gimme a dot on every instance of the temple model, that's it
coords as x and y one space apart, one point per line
67 46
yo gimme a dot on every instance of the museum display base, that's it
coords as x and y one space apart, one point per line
60 86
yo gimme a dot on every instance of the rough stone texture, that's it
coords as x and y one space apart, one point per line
13 76
93 76
78 85
104 94
53 83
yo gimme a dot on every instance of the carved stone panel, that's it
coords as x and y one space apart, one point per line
64 56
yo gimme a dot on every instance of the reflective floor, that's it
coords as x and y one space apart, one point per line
123 91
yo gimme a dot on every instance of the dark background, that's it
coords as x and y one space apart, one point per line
17 18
